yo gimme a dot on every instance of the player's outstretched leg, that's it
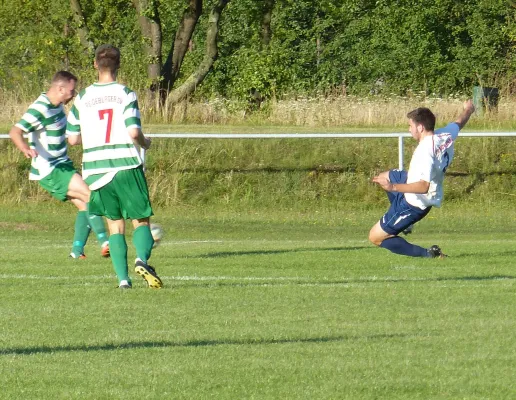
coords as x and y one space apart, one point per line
82 230
398 245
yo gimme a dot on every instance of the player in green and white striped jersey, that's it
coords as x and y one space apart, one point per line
105 118
44 122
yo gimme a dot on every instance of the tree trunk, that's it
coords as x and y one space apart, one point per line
266 32
150 26
66 33
188 87
180 46
82 28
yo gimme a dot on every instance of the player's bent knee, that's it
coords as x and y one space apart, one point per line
78 196
374 239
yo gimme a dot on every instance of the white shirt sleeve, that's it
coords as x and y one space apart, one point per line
452 128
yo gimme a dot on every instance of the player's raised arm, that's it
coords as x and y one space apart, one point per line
469 109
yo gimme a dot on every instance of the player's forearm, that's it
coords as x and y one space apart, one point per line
463 118
420 187
138 138
16 135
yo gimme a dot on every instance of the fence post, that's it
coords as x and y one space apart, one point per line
400 152
485 99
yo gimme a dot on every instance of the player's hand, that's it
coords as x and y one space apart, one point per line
469 106
383 182
30 153
147 143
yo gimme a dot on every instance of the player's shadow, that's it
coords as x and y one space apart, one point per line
444 279
269 252
196 343
483 254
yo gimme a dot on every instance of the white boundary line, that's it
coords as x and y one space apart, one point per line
286 279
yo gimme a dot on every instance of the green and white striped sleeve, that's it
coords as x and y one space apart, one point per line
73 125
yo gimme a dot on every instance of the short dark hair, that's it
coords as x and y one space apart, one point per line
423 116
63 77
107 57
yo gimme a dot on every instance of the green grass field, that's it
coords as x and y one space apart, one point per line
262 305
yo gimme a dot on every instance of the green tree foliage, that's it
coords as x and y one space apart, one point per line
316 46
32 42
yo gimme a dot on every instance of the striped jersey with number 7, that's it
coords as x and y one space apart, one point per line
102 114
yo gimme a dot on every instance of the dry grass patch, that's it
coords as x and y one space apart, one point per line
321 111
324 111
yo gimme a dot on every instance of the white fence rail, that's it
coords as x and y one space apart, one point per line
398 135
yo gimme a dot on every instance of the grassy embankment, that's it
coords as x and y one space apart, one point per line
297 174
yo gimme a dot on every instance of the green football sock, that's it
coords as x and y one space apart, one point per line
82 230
143 242
118 249
99 228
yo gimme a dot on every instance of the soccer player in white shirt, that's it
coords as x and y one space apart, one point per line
414 192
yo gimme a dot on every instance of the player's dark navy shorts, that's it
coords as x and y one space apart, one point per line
400 214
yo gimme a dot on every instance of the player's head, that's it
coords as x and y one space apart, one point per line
421 119
107 58
63 84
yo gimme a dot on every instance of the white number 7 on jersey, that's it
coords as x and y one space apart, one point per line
109 113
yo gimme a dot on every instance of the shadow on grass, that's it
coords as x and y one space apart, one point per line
477 278
346 282
267 252
484 254
194 343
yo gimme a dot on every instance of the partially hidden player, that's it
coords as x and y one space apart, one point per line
44 122
413 193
